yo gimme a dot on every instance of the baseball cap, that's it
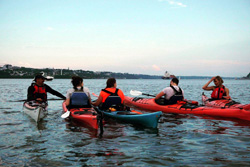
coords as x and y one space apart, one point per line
39 76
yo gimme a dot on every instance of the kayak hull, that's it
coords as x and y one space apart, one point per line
87 116
36 111
149 120
223 103
180 108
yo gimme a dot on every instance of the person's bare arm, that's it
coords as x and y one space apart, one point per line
206 87
67 102
159 95
227 94
98 101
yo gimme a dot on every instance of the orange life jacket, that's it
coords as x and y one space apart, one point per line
218 92
112 98
40 92
112 91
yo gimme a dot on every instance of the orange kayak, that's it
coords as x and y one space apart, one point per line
86 116
182 107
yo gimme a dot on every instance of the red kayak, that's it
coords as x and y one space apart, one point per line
223 103
183 107
87 116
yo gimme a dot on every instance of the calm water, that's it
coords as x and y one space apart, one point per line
180 140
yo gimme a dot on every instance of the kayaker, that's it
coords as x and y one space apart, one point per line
38 90
172 94
110 96
78 96
219 90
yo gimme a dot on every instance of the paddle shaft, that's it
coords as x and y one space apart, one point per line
26 100
138 93
100 119
148 94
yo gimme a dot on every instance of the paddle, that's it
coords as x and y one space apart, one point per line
138 93
100 119
65 115
94 94
26 100
100 116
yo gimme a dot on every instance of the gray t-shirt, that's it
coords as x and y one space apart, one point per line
70 91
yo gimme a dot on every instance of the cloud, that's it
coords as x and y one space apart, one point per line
174 3
156 68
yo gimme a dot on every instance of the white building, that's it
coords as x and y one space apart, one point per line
7 66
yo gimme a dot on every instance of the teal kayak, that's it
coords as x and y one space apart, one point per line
149 120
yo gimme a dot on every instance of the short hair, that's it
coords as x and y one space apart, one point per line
110 82
175 80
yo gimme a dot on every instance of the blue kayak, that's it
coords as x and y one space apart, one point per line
149 120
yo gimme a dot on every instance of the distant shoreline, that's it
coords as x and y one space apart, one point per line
182 77
12 72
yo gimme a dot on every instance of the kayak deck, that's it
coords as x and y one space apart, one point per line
150 105
35 110
86 116
223 103
149 120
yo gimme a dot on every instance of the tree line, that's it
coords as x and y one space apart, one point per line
24 72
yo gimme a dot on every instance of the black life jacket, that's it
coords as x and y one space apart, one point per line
39 92
113 100
79 99
176 97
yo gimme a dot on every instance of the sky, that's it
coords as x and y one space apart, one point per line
184 37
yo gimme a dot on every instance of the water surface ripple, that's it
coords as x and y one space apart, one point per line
180 140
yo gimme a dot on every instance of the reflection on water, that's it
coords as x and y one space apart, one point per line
180 140
75 126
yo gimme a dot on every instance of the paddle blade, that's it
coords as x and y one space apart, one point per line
94 94
65 115
135 93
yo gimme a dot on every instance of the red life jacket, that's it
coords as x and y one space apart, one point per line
40 92
218 92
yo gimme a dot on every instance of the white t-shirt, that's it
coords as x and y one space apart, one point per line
169 92
70 91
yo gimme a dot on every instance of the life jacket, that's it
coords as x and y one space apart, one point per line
113 100
218 92
39 92
176 97
79 99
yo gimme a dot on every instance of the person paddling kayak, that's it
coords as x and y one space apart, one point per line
78 96
110 96
38 91
172 94
219 90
